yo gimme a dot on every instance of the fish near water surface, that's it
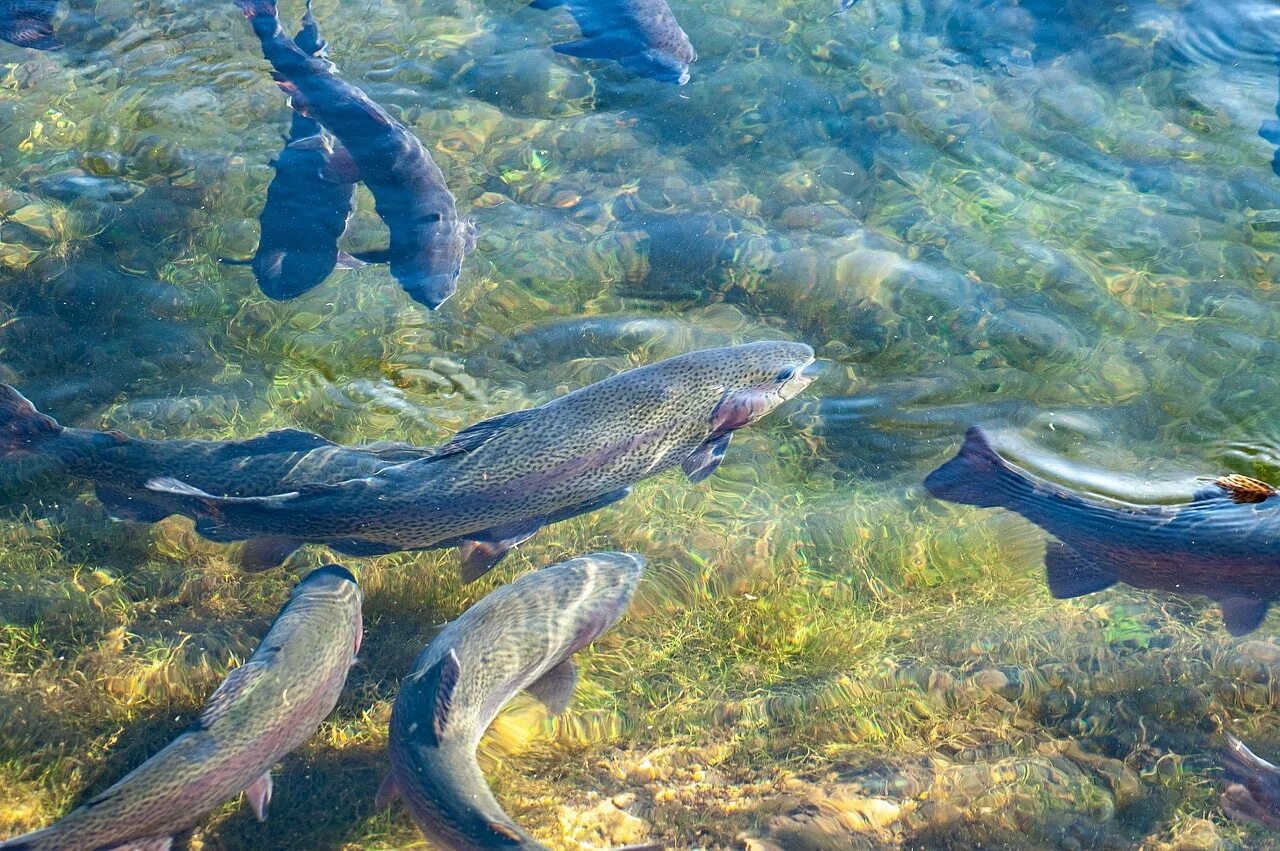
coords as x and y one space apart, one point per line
642 36
29 23
521 637
119 466
262 711
1224 543
428 242
495 484
1253 786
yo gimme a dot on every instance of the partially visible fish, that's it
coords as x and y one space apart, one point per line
1253 789
307 209
262 711
521 637
642 36
119 466
29 23
428 241
498 482
1224 543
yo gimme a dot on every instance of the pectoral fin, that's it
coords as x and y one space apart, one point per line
388 791
1070 573
339 167
1244 489
482 553
124 506
554 689
1243 615
1270 130
259 794
546 4
346 261
259 554
382 255
706 458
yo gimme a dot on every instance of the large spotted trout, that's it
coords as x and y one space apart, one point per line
499 481
1224 543
521 637
263 710
119 466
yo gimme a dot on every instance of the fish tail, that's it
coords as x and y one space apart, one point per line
24 431
976 476
1239 763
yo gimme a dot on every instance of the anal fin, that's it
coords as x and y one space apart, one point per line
259 554
554 689
259 794
151 843
1242 615
388 791
1072 574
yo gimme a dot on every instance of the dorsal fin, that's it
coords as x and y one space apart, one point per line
237 683
450 671
1245 489
429 697
476 435
281 440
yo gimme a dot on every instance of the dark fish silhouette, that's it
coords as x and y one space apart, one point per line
1253 790
119 466
1224 543
263 710
29 23
308 206
428 241
521 637
642 36
498 482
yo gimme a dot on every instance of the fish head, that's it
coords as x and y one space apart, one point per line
333 581
735 386
658 65
430 273
607 582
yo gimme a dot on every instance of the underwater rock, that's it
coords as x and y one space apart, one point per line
529 82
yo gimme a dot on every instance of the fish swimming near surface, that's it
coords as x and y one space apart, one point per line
308 206
642 36
1253 786
521 637
29 23
119 466
495 484
263 710
428 242
1224 543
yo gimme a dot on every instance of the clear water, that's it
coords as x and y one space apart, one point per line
1056 218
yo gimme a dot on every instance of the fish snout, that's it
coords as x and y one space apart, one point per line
432 290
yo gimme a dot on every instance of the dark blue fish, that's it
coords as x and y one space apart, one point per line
1224 543
642 36
29 23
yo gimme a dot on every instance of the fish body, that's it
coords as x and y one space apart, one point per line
119 466
1224 543
29 23
642 36
496 483
308 206
1253 786
521 637
262 711
428 241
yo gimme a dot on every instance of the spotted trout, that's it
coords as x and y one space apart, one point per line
263 710
1252 793
428 241
1223 543
119 466
521 637
498 482
642 36
29 23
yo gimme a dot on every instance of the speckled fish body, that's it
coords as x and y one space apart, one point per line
641 35
263 710
496 483
428 241
29 23
521 637
1224 543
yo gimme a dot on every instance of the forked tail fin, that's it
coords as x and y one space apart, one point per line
974 476
23 430
1240 764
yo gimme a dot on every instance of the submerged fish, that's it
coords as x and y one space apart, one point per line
499 481
1253 789
263 710
119 466
428 241
307 209
1224 543
29 23
521 637
642 36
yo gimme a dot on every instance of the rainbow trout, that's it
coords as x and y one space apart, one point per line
428 241
642 36
29 23
498 482
119 466
263 710
1253 786
521 637
1224 543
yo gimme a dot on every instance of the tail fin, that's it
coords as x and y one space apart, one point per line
23 429
1240 764
967 478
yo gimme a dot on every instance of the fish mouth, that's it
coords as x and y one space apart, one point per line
432 290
